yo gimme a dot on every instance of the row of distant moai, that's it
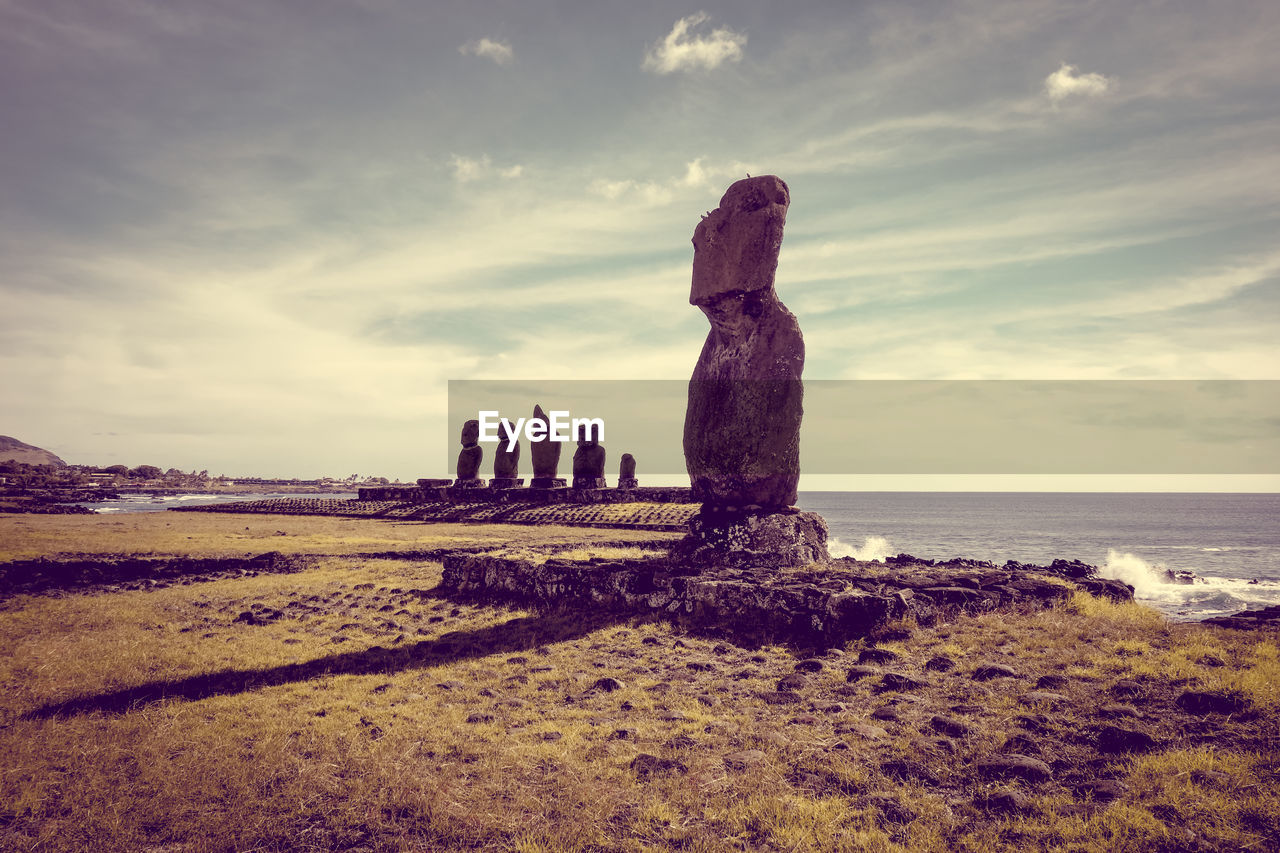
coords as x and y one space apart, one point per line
588 460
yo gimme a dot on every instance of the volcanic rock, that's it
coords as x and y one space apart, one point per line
719 536
1112 739
1212 702
1013 764
986 672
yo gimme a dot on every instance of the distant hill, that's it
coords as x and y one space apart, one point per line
18 451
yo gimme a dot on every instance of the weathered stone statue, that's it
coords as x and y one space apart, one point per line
506 463
469 457
588 460
627 472
742 424
546 456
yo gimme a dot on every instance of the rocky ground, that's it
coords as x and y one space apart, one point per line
349 703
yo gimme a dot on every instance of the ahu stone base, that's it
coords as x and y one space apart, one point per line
750 604
819 606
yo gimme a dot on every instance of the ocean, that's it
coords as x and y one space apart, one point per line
1230 541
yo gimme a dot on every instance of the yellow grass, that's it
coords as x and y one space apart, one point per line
256 747
227 535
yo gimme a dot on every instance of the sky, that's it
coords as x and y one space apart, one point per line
260 238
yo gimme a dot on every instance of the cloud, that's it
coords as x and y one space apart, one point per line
499 51
611 190
466 169
682 51
650 193
1198 289
697 176
1065 83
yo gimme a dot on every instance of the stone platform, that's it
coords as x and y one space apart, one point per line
633 515
820 605
480 492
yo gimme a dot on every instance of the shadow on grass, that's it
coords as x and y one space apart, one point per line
514 635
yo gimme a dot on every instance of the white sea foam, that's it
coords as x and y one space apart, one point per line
1204 596
874 549
1147 580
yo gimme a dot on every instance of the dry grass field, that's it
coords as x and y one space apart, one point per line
347 706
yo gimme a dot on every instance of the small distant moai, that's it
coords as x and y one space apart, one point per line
469 457
588 460
742 423
546 456
627 472
506 463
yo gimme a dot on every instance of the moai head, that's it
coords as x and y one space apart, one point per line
470 433
735 247
589 435
627 470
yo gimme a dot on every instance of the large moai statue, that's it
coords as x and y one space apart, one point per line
627 472
469 457
506 463
588 460
545 454
742 424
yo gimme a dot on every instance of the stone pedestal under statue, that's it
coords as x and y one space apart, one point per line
762 538
548 483
506 482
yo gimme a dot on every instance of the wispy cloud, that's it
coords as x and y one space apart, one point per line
1066 83
682 50
467 169
698 177
499 51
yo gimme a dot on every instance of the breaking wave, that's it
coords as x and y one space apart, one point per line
1185 594
874 549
